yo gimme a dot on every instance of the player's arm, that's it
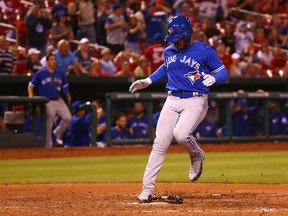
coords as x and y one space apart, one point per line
30 89
65 88
159 74
219 73
34 82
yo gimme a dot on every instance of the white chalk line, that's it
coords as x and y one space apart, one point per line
262 210
259 210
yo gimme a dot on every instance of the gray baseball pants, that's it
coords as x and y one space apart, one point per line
53 108
178 119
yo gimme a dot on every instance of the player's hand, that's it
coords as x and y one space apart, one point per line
209 80
140 84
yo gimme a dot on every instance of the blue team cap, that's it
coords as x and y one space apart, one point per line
76 105
158 37
116 6
241 102
242 24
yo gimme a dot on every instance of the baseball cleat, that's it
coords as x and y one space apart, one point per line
58 141
195 168
145 197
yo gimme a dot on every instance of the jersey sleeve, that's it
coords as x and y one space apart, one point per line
159 74
217 67
35 80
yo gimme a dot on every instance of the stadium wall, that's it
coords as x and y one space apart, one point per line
89 88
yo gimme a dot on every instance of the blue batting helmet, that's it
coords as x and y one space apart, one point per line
179 27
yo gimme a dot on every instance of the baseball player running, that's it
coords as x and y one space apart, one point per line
191 68
50 82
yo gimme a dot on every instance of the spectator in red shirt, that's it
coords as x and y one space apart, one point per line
154 52
127 55
21 27
278 61
260 36
224 55
125 70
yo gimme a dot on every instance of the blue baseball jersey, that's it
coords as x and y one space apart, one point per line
101 121
278 123
240 124
206 128
120 135
78 132
184 67
138 127
49 84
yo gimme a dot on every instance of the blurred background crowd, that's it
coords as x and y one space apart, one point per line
125 37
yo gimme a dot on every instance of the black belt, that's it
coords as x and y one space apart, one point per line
185 94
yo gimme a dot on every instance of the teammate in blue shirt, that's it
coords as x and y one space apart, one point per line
239 120
191 67
119 131
138 124
51 83
101 123
78 133
206 129
277 119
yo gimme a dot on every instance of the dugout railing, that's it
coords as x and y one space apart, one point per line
224 98
12 136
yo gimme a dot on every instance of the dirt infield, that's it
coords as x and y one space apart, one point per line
120 199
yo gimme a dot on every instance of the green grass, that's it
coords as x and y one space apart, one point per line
251 167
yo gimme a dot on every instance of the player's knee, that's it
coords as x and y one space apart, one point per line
67 119
180 138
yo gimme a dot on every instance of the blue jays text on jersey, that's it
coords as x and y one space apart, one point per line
184 67
50 84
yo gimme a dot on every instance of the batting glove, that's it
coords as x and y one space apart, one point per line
140 84
209 80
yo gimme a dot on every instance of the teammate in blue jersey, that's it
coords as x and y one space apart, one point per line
191 68
240 120
138 124
51 83
78 133
206 129
277 119
119 131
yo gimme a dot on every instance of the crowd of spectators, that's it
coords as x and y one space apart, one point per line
125 38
